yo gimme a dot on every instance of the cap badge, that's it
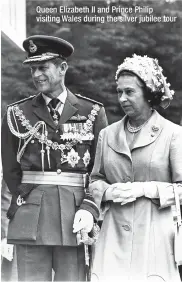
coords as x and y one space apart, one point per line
32 47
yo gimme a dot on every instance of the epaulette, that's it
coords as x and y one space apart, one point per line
21 101
88 99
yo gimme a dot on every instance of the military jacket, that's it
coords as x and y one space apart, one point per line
68 146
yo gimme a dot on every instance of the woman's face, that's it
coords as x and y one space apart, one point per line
131 96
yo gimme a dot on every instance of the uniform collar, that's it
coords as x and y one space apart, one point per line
62 97
69 109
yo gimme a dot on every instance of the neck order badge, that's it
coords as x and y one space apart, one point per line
53 106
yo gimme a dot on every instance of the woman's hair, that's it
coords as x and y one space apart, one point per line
154 98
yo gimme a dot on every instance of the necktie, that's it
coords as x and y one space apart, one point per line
53 111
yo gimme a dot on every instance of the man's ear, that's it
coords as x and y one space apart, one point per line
63 68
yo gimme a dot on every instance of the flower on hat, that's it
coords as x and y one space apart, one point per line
151 73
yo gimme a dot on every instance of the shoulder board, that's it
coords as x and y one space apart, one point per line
21 101
88 99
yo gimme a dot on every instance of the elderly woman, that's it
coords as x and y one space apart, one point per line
138 161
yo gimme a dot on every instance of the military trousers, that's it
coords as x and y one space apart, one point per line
50 263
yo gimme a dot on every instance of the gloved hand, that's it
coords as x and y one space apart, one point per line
6 250
83 220
126 192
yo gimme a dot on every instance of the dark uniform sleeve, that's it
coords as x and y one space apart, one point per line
11 168
101 122
88 202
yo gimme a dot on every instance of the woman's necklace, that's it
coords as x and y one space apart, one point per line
133 129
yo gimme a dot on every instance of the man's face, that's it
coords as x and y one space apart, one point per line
46 77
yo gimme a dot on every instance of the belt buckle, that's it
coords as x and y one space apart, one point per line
20 201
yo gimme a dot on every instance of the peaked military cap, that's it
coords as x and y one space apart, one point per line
43 48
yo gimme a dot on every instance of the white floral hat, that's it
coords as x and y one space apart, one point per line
151 73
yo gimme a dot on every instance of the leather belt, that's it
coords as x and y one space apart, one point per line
49 177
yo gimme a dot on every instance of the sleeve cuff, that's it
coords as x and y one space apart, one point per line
90 205
107 196
166 195
151 190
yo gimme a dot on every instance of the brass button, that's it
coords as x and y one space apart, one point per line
58 171
126 227
32 141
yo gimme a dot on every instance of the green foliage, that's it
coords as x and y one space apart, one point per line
100 48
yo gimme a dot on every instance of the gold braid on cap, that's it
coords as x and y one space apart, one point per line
151 73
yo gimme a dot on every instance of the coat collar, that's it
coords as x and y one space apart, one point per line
117 137
147 135
69 107
150 132
40 109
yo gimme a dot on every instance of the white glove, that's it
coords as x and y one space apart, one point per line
126 192
6 250
83 220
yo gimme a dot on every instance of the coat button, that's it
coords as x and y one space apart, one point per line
126 227
58 171
57 131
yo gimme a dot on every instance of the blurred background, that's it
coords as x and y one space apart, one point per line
99 49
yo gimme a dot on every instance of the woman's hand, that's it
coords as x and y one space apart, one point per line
126 192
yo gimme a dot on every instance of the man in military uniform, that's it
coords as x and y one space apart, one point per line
48 147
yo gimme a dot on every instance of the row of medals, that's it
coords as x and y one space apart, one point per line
75 131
